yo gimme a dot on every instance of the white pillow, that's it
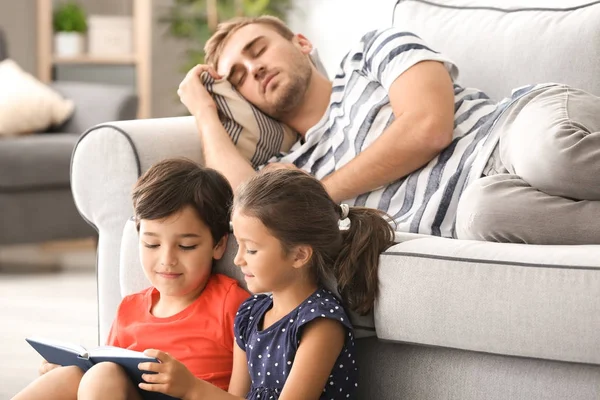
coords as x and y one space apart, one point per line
26 104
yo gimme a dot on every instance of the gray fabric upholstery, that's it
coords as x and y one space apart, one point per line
497 48
95 104
40 215
511 299
392 371
35 162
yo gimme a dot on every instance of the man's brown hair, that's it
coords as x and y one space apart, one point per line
170 185
214 46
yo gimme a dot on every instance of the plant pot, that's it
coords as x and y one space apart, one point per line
68 44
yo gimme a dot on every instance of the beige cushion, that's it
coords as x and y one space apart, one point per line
26 104
257 136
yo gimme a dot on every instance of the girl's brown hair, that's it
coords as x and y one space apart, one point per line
297 210
170 185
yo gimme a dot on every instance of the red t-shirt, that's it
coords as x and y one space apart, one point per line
200 336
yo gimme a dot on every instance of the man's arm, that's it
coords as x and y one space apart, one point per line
422 99
219 151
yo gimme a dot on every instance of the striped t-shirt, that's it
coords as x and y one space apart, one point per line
424 201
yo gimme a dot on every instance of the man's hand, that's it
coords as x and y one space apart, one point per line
47 367
172 377
219 151
194 95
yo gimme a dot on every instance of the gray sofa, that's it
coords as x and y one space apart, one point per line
36 204
455 319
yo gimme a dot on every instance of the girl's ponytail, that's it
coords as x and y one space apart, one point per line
357 264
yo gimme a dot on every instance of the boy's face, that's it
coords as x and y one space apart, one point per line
261 257
271 72
177 253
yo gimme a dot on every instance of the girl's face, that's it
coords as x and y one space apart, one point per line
261 256
177 253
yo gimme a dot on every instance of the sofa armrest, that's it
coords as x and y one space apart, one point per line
96 103
107 161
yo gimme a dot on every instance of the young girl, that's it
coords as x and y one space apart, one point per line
297 342
182 212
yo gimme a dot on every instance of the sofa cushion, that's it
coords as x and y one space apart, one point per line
503 44
36 162
26 104
511 299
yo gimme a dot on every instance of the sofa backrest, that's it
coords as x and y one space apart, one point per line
3 46
499 45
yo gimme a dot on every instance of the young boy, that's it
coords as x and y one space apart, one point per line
182 213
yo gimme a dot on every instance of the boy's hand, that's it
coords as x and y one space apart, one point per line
172 377
47 367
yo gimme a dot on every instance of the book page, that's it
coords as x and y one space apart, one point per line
117 352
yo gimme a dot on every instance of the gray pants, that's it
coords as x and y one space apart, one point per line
543 183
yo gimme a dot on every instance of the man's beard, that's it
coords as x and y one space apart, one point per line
290 94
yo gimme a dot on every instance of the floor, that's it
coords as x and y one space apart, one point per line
43 302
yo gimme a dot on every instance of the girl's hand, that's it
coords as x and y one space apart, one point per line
172 377
194 95
47 367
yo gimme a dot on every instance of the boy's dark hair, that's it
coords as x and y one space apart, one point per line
170 185
297 210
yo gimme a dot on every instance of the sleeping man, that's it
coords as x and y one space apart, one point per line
393 131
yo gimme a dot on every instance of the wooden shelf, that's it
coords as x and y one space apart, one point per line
141 60
105 60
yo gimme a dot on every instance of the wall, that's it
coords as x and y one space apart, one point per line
333 26
18 21
168 55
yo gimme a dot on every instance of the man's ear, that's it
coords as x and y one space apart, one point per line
303 43
220 248
301 256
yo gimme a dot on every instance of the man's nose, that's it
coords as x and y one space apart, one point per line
258 71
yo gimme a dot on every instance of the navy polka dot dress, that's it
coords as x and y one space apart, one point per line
271 352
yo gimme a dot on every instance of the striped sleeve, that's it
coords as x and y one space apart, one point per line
390 52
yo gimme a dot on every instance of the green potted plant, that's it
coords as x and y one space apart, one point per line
70 26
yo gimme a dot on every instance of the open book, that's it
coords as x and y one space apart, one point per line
67 354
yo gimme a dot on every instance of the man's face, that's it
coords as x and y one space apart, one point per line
271 72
